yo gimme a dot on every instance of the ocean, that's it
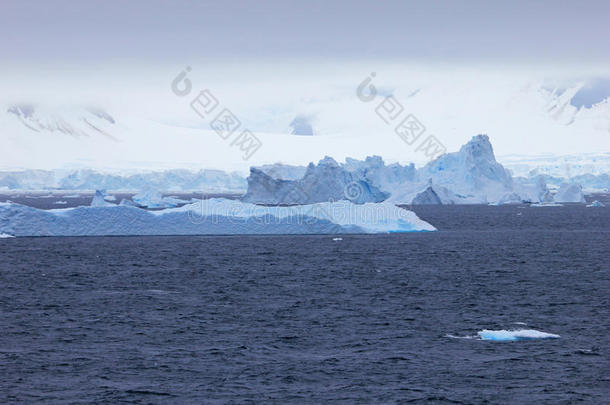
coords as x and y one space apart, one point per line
309 319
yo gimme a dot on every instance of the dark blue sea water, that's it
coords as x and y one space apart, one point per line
305 319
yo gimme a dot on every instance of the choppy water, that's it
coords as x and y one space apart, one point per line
305 319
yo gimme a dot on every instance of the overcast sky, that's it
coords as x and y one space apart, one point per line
103 30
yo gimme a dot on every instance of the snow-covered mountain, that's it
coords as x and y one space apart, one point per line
150 128
578 100
74 121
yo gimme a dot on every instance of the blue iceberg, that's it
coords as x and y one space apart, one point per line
514 335
210 217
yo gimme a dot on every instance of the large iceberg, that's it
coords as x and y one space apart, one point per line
470 176
326 181
472 173
213 216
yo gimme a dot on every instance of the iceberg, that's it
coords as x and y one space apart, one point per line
514 335
427 197
472 173
434 195
5 236
596 203
281 171
570 193
470 176
210 217
154 199
510 198
544 204
374 171
326 181
99 199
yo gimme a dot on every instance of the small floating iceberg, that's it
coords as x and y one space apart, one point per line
99 199
5 236
596 203
546 204
154 199
514 335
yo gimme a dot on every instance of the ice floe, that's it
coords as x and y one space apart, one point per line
596 204
514 335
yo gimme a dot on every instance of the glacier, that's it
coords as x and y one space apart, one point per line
210 217
176 180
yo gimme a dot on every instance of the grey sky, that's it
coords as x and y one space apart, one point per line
521 31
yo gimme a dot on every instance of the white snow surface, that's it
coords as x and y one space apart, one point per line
523 113
213 216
